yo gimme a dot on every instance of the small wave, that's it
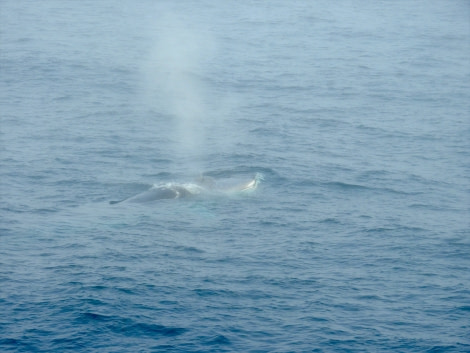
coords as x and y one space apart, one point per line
89 317
207 292
218 340
346 186
189 249
139 329
46 210
427 207
401 228
129 326
358 187
330 221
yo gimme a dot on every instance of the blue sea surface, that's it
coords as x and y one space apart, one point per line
355 113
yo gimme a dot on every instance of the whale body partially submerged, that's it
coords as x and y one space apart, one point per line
159 193
202 185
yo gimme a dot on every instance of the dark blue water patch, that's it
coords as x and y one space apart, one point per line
19 345
464 308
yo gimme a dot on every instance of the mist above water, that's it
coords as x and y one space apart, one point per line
173 74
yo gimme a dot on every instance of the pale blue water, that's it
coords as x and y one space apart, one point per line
355 113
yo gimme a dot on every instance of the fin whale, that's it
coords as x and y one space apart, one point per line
203 184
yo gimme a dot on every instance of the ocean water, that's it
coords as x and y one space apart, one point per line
356 114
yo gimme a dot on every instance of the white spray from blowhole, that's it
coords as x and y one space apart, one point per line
174 85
